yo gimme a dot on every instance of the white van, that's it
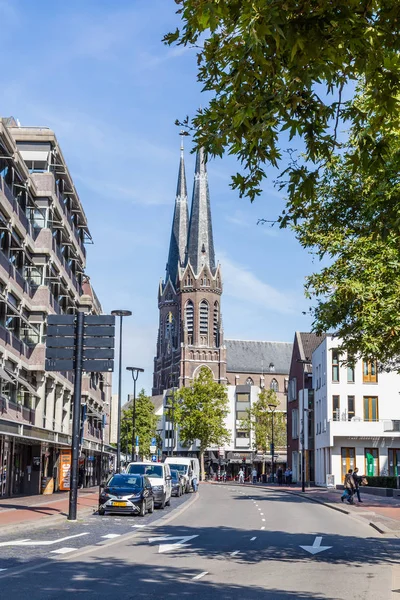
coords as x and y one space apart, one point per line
160 479
187 466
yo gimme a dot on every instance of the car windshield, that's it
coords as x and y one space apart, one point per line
149 470
181 468
175 475
125 481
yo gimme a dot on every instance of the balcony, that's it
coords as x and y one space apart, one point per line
15 206
71 223
242 443
363 429
16 412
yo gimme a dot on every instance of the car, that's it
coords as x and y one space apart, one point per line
159 475
188 467
178 483
127 494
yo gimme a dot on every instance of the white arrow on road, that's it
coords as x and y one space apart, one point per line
166 547
29 542
316 547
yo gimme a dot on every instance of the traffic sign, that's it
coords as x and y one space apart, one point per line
154 458
153 449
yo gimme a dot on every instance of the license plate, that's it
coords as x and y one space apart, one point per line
119 503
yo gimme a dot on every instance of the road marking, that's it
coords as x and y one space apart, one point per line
316 547
262 527
253 538
139 526
234 553
263 520
262 514
63 550
200 575
28 542
166 547
259 509
4 569
111 535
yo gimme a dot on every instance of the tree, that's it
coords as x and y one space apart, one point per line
259 423
326 76
146 424
200 412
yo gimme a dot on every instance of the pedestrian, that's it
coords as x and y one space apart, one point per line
194 483
254 474
286 476
241 476
349 487
81 476
280 476
357 482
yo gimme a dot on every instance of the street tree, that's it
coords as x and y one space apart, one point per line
200 412
323 77
146 424
259 423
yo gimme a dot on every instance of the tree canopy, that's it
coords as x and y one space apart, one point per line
146 425
200 412
326 75
259 422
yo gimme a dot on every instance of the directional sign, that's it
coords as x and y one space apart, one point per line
316 547
98 342
60 353
61 330
95 330
167 547
98 365
61 319
98 353
53 364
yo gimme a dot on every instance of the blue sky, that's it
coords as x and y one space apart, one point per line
97 73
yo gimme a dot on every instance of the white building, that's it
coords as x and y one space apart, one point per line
356 416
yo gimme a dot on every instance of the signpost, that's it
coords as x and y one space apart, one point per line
79 343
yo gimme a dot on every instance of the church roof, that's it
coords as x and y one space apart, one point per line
177 246
200 239
257 357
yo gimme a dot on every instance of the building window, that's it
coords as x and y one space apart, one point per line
335 365
350 374
336 408
274 385
241 415
204 323
350 407
216 324
292 389
394 462
242 397
371 408
249 381
371 462
295 423
189 319
370 372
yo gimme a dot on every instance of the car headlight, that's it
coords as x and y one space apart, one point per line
106 497
133 498
158 488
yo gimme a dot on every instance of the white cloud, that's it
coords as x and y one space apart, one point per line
242 284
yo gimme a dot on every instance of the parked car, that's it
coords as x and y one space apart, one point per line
127 494
178 483
188 467
159 475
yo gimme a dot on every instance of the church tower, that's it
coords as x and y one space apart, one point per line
190 331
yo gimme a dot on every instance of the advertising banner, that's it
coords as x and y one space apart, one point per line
65 470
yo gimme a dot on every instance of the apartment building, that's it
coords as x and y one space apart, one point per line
356 416
43 229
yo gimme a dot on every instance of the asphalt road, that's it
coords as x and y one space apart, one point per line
224 543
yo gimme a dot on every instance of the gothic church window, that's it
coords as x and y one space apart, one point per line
274 385
203 323
170 330
189 318
249 381
216 324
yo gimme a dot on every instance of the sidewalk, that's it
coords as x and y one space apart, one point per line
383 514
27 511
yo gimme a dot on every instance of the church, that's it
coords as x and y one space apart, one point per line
191 335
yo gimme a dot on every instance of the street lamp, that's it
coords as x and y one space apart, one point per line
135 374
304 362
121 314
272 408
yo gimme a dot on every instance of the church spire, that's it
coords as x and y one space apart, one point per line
177 245
200 239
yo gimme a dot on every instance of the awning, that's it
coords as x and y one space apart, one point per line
21 381
4 376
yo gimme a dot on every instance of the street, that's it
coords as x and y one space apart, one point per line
226 542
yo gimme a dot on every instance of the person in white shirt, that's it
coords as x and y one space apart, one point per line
241 476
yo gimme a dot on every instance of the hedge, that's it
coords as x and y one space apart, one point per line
383 482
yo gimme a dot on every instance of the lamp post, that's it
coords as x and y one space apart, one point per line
272 408
304 411
135 374
121 314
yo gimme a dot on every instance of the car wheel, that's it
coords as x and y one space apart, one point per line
143 508
162 504
179 492
101 512
187 488
151 509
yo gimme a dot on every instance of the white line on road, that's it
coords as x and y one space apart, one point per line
139 526
262 514
200 575
234 553
3 569
28 542
316 547
262 528
63 550
253 538
263 520
111 535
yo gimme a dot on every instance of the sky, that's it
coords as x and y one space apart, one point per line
97 73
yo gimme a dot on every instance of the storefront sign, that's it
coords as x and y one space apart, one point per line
330 480
65 470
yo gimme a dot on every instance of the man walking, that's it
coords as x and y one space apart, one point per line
357 482
254 475
349 487
241 476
